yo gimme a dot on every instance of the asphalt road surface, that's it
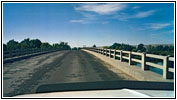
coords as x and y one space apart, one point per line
24 76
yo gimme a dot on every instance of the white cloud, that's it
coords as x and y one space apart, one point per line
135 7
88 18
126 16
76 21
157 26
107 9
82 21
144 14
101 9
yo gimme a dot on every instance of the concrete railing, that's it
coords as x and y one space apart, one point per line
14 53
168 70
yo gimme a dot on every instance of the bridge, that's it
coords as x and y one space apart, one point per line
24 72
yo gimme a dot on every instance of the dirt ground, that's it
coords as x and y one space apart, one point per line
24 76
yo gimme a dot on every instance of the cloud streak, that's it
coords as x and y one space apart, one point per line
87 18
102 9
135 7
157 26
142 14
92 12
77 21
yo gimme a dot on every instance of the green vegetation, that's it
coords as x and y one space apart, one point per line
141 48
34 43
159 49
94 45
75 48
118 46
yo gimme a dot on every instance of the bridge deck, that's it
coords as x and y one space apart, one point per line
25 76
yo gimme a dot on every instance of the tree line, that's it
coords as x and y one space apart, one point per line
33 43
159 49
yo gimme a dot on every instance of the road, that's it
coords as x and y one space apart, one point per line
24 76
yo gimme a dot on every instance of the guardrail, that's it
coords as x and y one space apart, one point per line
14 53
168 70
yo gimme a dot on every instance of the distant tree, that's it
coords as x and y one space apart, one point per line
74 48
12 45
150 48
166 48
159 50
115 46
127 47
4 47
35 43
134 50
79 48
56 45
106 47
45 45
94 45
64 46
141 48
159 47
25 44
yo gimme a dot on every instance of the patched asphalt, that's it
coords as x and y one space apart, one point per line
24 76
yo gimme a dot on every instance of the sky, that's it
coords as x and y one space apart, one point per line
90 23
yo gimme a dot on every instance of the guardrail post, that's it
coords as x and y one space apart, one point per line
110 53
106 52
143 63
121 55
101 50
130 58
114 53
11 53
166 73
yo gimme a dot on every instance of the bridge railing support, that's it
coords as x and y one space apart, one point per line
143 63
130 58
121 56
168 69
110 53
114 53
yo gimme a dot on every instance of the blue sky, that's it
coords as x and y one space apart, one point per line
90 23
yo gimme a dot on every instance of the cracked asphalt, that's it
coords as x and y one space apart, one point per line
24 76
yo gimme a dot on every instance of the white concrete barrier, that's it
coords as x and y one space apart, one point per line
132 71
